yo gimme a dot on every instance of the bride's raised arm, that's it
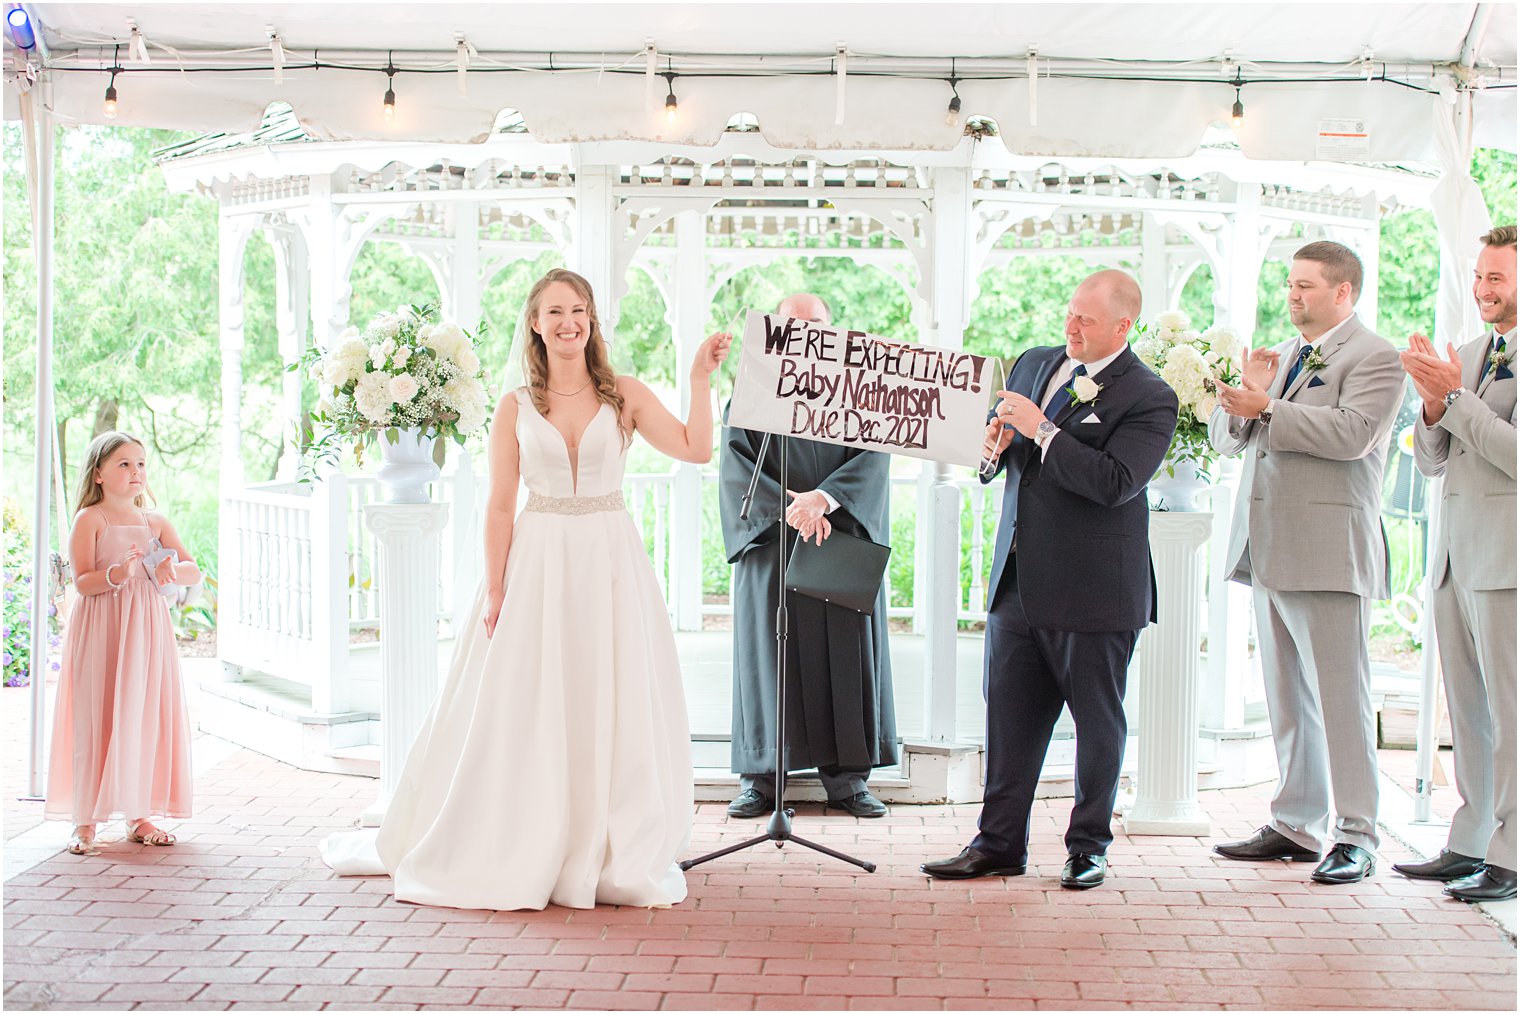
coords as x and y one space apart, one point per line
501 505
689 441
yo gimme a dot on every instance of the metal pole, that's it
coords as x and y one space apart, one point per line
1430 668
38 134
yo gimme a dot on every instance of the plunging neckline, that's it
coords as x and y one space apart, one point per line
573 462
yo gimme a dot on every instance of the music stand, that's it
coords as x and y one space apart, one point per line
779 828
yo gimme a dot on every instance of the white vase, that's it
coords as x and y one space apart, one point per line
406 466
1179 491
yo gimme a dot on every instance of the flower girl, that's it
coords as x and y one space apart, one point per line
121 731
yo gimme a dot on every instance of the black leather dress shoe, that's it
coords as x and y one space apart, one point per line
862 804
1492 883
972 863
1267 844
1446 866
750 803
1346 864
1083 871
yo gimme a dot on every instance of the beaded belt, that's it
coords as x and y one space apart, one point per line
575 504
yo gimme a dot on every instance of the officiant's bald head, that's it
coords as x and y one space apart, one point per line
804 306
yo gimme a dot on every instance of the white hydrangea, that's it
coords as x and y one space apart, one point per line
1185 371
468 361
403 388
385 326
1225 341
471 419
1173 320
373 398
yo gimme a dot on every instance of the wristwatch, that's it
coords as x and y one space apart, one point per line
1265 415
1044 431
1452 396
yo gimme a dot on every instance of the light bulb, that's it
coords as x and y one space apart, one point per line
389 108
953 112
1237 114
670 107
110 106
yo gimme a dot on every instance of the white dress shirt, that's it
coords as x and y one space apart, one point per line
1060 380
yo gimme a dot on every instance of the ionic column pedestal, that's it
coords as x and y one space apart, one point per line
1166 791
407 546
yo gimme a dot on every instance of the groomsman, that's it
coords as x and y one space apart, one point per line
1467 433
1313 417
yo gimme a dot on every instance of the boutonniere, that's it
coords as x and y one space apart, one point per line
1084 390
1314 361
1498 359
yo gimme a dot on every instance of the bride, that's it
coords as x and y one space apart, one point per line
555 765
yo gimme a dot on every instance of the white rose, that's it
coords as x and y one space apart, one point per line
403 388
1205 406
388 346
401 356
468 361
348 332
1173 320
377 356
1085 387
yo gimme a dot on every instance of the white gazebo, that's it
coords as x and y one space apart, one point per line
1106 135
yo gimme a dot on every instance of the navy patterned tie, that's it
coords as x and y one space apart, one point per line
1297 367
1062 398
1500 373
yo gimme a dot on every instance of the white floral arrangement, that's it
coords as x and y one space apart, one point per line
1191 362
405 370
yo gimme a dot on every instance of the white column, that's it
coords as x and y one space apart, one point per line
1166 790
407 546
462 296
39 135
940 530
687 314
1222 699
594 253
331 689
1153 267
232 239
1235 294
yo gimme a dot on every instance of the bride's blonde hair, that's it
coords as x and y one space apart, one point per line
96 455
536 355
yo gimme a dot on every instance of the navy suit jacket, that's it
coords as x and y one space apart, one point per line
1084 558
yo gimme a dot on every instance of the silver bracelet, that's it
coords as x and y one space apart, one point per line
113 585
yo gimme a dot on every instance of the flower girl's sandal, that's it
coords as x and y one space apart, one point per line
151 836
82 845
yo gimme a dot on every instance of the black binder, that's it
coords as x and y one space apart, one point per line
845 571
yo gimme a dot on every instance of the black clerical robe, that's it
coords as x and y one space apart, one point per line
839 676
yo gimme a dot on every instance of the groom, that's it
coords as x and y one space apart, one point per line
1080 431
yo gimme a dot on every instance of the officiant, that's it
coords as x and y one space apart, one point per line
839 714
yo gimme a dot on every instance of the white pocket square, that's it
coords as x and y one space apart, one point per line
1092 418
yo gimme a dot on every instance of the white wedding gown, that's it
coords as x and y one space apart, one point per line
555 766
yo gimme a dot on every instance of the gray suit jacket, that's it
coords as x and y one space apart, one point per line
1309 514
1473 445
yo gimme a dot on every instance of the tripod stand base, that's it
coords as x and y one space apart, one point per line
779 830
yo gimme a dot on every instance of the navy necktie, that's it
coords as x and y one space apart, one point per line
1062 398
1496 346
1297 367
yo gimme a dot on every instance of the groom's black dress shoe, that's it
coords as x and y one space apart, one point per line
1446 866
1267 844
1492 883
862 804
750 803
1083 871
1346 864
972 863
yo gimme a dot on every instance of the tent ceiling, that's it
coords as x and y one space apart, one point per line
1066 116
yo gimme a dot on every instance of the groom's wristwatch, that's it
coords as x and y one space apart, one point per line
1044 431
1265 415
1452 396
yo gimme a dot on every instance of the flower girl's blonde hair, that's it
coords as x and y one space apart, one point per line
99 452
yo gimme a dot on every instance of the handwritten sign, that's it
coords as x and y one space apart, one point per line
837 386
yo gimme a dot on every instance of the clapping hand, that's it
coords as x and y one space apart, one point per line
808 514
1258 368
1432 375
711 353
1241 402
167 572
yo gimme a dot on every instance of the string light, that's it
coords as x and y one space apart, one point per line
953 110
389 108
1237 111
672 107
110 103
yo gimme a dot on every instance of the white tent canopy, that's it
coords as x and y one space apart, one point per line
1407 82
1109 80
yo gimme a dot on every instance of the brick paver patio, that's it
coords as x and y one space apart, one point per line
243 915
